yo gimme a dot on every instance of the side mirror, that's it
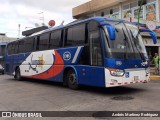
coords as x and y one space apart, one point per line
111 31
152 33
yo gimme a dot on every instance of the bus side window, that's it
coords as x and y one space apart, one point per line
2 50
85 56
28 44
76 35
69 39
34 44
37 43
21 48
16 48
44 41
9 49
95 48
56 39
13 48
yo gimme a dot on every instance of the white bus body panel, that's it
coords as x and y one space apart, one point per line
135 76
28 68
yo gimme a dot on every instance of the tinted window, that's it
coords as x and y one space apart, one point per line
93 25
28 44
55 40
21 48
2 50
9 48
16 48
76 35
44 41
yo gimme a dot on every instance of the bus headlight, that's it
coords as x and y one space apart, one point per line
116 72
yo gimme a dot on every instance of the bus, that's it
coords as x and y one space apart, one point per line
97 51
2 53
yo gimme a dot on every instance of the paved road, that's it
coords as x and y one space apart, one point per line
33 95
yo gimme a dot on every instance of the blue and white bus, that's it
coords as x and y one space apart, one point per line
95 52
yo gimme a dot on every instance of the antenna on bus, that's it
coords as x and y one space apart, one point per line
36 25
19 26
62 23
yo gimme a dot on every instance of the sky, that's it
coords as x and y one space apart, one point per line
28 13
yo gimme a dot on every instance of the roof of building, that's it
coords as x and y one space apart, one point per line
93 5
4 38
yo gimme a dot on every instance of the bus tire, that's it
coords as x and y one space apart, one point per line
71 80
18 74
3 72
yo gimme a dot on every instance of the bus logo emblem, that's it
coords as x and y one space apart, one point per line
36 63
118 63
67 56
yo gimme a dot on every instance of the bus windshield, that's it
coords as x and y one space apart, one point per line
128 43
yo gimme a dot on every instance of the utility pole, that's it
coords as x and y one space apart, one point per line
19 30
42 17
139 13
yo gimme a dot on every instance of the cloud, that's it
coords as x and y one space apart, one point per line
25 12
58 6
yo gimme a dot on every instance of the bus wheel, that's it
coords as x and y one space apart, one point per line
3 72
71 80
18 74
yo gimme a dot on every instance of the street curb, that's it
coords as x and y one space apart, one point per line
154 77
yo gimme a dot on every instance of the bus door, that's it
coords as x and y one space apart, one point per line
93 74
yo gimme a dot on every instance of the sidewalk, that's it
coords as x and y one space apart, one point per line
153 76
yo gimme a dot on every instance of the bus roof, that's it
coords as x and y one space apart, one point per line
98 19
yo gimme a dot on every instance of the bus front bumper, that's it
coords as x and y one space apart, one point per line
130 76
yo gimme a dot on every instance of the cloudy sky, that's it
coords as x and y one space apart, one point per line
28 12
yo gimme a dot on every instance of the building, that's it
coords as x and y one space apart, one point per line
127 10
4 38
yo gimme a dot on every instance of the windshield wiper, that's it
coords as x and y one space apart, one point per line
141 54
126 42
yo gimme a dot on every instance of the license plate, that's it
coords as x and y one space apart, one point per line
136 78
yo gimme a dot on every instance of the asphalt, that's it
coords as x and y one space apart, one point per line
38 95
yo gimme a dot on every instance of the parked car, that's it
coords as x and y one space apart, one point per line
1 69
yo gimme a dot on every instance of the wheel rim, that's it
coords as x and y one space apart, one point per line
72 78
